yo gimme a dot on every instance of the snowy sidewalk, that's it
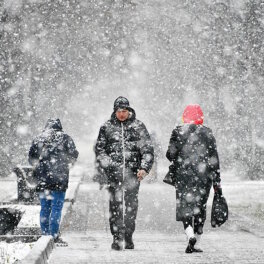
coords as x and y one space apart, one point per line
158 237
155 247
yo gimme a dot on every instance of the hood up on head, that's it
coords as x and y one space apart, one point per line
53 123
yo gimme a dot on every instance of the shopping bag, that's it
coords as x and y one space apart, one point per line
219 214
170 177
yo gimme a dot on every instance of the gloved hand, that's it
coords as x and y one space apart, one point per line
218 190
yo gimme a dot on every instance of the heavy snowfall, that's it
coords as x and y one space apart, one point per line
70 60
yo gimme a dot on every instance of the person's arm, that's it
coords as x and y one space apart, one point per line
33 155
71 150
146 151
214 164
100 149
175 145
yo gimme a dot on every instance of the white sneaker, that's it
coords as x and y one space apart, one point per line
197 246
191 239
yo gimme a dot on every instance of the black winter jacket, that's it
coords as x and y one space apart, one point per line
195 166
127 140
50 154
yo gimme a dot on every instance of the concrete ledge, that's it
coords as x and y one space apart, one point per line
22 238
27 231
40 252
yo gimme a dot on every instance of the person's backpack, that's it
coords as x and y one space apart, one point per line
219 214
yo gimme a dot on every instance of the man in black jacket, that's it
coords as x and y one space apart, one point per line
50 154
125 152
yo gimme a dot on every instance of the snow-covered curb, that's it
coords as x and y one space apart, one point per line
40 251
45 244
10 252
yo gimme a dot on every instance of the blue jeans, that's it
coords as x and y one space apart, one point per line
50 214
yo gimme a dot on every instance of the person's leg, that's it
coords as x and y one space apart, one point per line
188 227
131 203
45 203
198 225
116 216
199 221
187 222
56 208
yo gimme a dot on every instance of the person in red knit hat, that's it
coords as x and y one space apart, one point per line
193 114
194 169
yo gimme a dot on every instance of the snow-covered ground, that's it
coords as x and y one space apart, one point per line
158 237
10 252
156 212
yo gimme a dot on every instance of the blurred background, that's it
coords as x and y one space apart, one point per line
71 58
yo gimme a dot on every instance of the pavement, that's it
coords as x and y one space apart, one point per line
158 237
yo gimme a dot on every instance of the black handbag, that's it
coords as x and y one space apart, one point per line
170 176
219 214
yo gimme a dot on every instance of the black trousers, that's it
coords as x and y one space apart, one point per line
197 222
123 225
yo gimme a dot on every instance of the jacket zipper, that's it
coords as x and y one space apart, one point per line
123 183
123 149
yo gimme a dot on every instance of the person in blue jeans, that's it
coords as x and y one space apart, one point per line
50 214
51 154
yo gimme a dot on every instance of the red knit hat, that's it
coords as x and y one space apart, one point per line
193 114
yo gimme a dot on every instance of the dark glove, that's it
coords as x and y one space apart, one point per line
218 190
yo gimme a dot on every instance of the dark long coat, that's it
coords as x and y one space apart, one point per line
195 167
127 141
51 153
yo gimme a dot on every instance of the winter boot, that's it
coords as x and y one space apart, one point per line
117 243
191 239
197 246
129 242
60 243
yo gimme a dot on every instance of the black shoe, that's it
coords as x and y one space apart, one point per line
190 247
60 243
117 244
197 250
129 243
